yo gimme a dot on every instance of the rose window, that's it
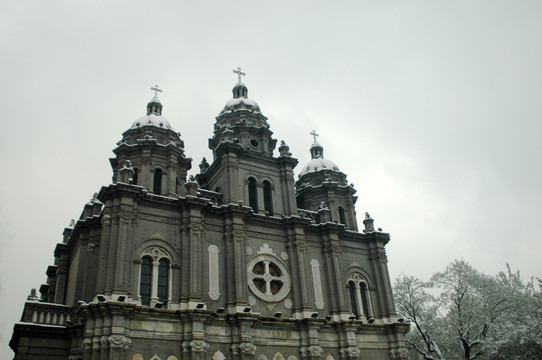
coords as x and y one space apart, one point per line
268 278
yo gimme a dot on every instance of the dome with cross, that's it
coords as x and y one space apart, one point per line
240 99
154 114
317 163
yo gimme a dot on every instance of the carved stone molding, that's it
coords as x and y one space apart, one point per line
120 341
301 245
196 228
124 215
349 353
198 346
378 254
239 235
244 348
311 351
399 354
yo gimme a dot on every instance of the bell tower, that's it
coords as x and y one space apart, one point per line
322 184
244 168
155 151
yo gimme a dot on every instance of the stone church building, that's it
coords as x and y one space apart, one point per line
240 262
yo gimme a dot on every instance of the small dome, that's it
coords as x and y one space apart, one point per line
241 103
318 164
152 119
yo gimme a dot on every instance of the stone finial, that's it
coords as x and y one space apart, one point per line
127 173
369 223
284 150
203 166
191 186
72 223
33 295
94 197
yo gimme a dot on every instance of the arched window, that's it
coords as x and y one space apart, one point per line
360 299
353 301
157 185
364 299
267 197
163 280
145 282
252 194
342 217
134 178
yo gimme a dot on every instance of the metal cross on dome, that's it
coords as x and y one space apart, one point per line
156 90
239 74
314 134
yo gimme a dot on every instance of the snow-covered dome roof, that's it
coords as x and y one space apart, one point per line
152 119
241 103
318 164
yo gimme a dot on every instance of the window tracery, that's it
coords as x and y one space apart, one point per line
360 299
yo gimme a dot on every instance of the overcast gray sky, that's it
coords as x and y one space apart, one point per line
431 108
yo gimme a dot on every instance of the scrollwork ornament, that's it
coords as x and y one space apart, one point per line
196 228
247 348
239 235
399 354
315 350
120 341
198 345
301 245
350 353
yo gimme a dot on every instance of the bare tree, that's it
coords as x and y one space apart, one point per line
418 307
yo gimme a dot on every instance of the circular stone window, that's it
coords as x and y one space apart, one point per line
254 143
268 278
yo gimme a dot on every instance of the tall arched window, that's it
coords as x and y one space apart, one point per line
157 185
353 300
145 283
163 280
252 194
364 299
267 197
342 217
360 299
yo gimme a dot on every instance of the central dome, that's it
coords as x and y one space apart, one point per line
241 103
318 164
152 120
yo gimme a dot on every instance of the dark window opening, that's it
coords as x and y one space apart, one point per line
252 194
267 197
145 283
353 301
134 178
157 187
163 279
301 202
342 217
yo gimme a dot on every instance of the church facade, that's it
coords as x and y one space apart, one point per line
239 262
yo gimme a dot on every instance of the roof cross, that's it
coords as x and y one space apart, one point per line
239 74
314 134
156 90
